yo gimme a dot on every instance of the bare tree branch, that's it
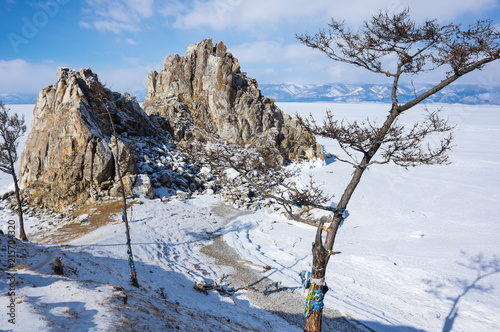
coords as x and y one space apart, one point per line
261 170
12 127
416 49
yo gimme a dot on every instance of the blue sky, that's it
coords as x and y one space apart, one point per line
122 40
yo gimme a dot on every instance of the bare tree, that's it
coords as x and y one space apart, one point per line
261 170
101 103
395 46
12 127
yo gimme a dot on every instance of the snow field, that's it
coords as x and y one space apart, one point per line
167 239
420 248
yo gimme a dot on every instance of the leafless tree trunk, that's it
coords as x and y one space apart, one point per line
11 129
101 101
22 234
418 49
130 256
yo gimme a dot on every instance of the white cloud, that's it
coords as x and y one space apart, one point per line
277 62
130 41
117 16
143 7
449 10
19 76
240 14
135 61
132 80
172 8
272 52
85 25
114 26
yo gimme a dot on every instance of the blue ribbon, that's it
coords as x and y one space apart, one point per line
305 278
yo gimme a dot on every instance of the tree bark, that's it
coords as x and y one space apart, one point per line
321 254
130 258
320 258
313 322
22 234
133 273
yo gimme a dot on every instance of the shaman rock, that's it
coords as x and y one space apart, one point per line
206 89
71 151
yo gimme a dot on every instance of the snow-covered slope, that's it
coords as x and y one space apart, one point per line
167 239
420 249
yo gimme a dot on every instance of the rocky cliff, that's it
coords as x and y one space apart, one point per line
205 88
70 153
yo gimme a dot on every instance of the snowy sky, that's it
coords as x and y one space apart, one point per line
122 40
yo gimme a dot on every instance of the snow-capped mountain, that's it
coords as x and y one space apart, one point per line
344 93
338 92
18 98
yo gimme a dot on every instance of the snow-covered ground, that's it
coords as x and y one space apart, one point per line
420 249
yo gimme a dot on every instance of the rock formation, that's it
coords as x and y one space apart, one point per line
71 152
207 89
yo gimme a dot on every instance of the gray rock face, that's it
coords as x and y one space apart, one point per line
206 88
71 153
71 148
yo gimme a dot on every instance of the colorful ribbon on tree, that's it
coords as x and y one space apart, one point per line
133 277
314 301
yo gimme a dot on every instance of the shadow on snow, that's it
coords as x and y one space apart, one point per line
483 267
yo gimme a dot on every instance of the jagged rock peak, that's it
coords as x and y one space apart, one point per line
70 152
206 88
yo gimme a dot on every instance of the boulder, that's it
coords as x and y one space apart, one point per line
129 182
143 186
205 88
71 148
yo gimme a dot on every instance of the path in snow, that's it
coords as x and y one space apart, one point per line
285 302
167 241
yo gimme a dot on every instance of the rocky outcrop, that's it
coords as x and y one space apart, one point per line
206 88
81 131
70 153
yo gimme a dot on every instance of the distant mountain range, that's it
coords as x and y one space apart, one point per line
344 93
18 98
349 93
